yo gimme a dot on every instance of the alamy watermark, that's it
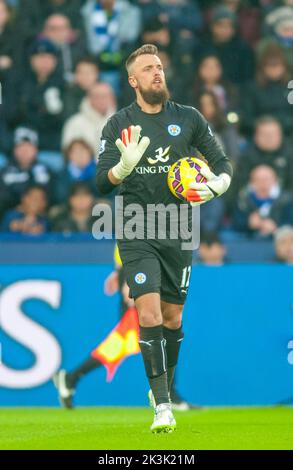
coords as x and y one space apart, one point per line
149 222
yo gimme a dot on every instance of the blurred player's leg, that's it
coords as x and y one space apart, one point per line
65 393
66 382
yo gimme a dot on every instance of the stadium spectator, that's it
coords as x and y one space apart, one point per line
30 216
68 8
278 29
69 45
85 76
31 15
41 100
7 41
283 239
24 170
157 32
269 148
95 110
210 78
179 14
80 166
77 215
184 18
226 132
268 93
149 9
29 19
211 251
109 35
248 19
279 10
235 55
261 205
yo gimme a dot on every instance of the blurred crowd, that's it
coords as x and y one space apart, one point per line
62 76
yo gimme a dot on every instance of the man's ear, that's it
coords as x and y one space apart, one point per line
132 81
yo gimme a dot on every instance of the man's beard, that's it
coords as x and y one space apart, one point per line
153 97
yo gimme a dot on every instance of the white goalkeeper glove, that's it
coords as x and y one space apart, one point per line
131 151
198 193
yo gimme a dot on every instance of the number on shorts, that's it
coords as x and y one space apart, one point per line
186 276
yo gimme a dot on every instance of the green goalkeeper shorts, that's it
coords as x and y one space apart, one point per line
156 266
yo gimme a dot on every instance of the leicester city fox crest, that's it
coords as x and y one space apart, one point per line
174 130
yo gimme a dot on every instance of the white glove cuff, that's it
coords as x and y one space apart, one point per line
226 181
120 172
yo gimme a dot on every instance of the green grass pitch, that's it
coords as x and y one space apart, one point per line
128 428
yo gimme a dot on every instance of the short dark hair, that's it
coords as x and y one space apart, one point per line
90 60
34 187
145 49
210 238
265 119
68 148
80 187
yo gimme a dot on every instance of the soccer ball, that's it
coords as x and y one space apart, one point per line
183 172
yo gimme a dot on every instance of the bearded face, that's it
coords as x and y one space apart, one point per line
155 96
148 79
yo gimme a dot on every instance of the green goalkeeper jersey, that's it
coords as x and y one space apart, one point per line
175 132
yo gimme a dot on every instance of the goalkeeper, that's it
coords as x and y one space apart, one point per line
138 146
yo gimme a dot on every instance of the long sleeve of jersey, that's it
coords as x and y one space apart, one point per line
206 143
108 157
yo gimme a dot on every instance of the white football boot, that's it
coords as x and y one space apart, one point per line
164 420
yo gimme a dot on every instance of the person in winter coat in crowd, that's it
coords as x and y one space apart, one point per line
24 170
41 96
86 74
268 94
261 206
94 112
